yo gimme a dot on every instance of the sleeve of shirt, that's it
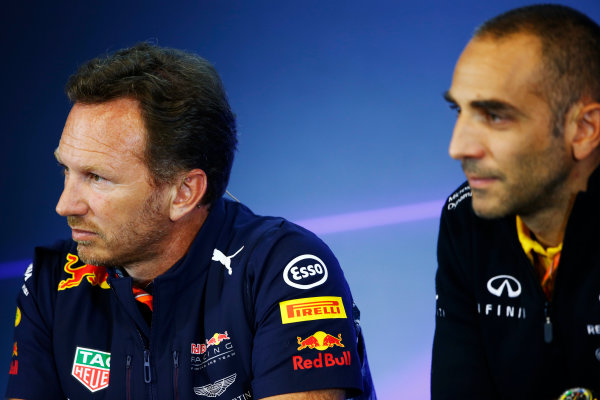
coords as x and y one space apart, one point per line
459 369
32 373
305 337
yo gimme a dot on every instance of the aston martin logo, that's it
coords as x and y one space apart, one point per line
215 389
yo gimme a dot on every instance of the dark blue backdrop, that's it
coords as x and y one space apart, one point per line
339 110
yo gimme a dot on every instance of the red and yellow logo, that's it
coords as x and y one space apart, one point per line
311 308
96 276
14 364
215 340
320 341
14 367
18 317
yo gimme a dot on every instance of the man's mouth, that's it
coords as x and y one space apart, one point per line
81 235
480 181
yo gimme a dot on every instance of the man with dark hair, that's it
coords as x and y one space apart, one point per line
518 283
166 289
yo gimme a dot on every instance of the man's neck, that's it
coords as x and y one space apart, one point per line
548 226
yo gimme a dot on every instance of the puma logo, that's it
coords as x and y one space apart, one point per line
223 259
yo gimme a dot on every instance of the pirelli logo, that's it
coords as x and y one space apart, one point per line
311 308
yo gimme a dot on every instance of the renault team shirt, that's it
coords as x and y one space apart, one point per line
498 335
258 307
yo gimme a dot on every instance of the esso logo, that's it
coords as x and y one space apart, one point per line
305 272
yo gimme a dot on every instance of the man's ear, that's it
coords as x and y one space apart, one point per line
587 130
188 192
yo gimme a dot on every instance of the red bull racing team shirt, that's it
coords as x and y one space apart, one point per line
258 307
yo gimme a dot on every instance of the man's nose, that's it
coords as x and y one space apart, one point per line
465 142
71 200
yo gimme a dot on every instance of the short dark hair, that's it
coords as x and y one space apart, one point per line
570 45
184 107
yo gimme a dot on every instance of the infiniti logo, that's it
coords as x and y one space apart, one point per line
499 283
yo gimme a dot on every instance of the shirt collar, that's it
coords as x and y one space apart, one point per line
531 245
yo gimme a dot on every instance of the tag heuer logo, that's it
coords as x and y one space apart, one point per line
91 368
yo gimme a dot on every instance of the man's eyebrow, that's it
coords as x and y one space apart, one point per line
487 105
448 97
495 106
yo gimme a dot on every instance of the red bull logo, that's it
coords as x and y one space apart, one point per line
215 349
96 276
323 360
215 340
14 367
14 363
320 341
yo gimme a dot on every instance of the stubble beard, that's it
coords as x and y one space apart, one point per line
540 184
137 240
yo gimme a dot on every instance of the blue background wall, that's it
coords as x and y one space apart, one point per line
339 109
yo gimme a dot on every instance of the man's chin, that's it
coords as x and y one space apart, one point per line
487 210
89 255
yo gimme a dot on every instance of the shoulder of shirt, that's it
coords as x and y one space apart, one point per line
458 214
57 249
459 200
260 225
264 236
53 257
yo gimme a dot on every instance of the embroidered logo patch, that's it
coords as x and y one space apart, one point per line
215 389
14 367
219 256
219 347
93 274
504 283
311 308
14 363
91 368
320 341
215 340
305 272
28 272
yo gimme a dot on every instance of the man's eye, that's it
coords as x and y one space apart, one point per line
494 118
96 178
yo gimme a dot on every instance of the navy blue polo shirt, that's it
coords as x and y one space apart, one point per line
257 307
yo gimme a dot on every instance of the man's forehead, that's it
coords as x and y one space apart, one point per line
491 67
112 127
